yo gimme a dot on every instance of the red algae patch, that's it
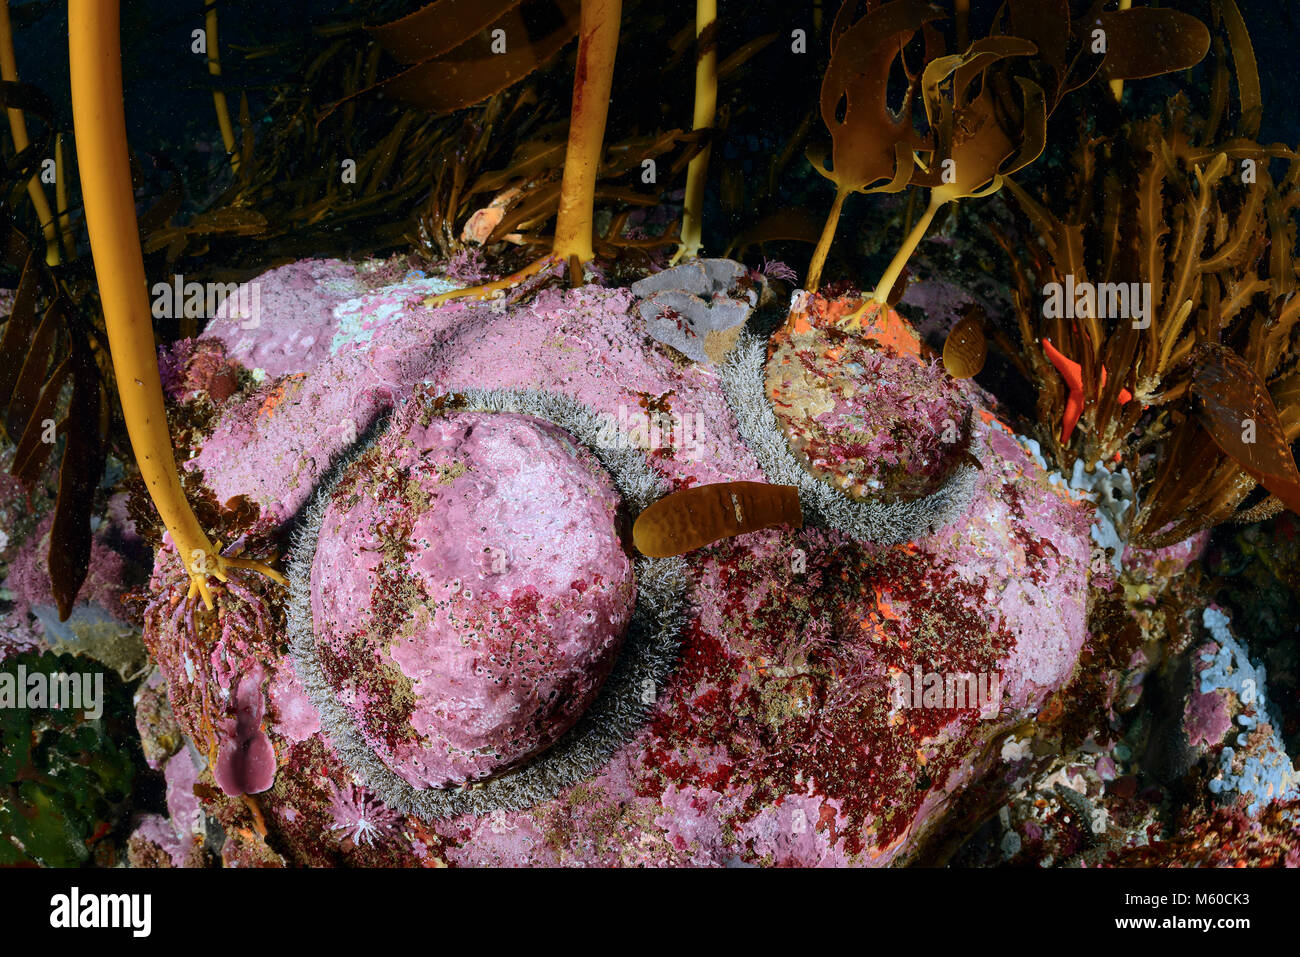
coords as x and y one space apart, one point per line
874 423
469 591
861 405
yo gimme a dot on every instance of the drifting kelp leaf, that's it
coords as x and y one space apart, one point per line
18 330
694 517
628 154
792 224
40 355
26 164
1045 24
160 214
375 166
229 222
33 451
543 203
531 159
439 27
23 96
543 156
1238 412
965 349
83 464
241 222
744 53
1145 41
871 144
536 180
471 72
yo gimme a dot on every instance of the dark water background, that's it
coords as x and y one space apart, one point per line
169 105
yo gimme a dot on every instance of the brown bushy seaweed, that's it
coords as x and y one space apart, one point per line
1194 211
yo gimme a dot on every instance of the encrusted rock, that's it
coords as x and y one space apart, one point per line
771 735
874 423
469 592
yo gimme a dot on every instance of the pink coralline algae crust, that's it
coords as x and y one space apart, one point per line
1207 717
276 445
291 328
1151 563
778 703
469 591
16 506
180 835
291 711
21 510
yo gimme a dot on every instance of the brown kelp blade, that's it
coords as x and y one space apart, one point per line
871 144
695 517
790 224
1239 414
33 450
83 464
465 68
1243 58
1144 41
439 27
976 145
18 332
40 360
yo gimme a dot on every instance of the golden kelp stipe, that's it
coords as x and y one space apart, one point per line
695 517
99 118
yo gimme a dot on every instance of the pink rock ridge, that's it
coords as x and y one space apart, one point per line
470 591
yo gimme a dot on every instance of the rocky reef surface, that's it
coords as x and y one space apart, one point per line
831 700
781 737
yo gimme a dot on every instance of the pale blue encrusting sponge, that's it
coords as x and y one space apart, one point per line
1261 772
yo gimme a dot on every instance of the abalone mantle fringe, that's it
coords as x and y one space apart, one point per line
649 649
889 523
